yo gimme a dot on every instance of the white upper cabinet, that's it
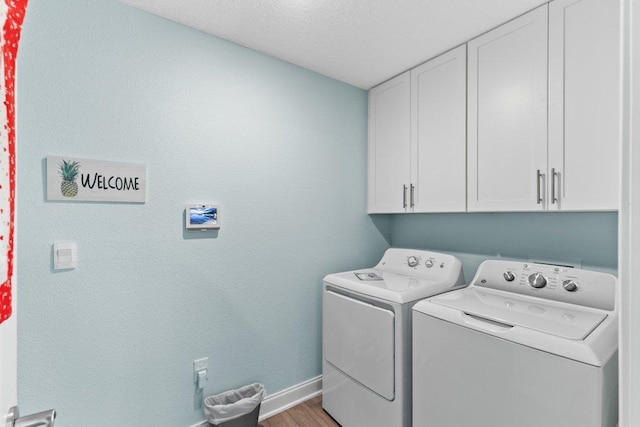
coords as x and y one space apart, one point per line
512 165
438 134
542 119
584 108
507 116
389 145
417 139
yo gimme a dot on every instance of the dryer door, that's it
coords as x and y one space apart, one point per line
358 339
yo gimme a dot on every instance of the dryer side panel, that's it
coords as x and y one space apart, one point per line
463 377
358 339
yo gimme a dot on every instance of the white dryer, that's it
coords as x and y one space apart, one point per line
366 363
525 345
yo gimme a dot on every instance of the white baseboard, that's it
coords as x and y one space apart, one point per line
290 397
285 399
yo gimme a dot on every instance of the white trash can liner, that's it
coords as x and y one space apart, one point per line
233 404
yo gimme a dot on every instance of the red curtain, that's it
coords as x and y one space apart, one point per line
11 27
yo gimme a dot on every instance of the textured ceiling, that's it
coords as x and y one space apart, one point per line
360 42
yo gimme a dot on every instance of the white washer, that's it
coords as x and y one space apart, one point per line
524 345
366 363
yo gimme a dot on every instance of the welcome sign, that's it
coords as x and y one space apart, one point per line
72 179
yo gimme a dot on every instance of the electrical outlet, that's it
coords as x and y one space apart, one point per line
199 365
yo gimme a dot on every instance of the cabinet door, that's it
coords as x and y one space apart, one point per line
389 145
438 134
507 122
584 107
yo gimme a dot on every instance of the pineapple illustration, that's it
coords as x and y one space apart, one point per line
69 173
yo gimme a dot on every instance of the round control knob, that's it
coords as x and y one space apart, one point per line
412 261
537 280
570 285
428 263
508 276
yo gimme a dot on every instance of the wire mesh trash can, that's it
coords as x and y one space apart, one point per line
235 408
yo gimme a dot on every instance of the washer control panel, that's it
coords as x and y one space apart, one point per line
559 283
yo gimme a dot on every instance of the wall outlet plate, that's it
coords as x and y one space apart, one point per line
199 365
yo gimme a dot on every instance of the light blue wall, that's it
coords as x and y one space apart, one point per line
283 150
588 240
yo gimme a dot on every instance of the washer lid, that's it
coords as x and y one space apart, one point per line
388 286
562 320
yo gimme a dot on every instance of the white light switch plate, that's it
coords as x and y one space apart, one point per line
65 256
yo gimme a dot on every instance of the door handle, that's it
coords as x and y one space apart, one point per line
553 185
539 186
404 196
411 204
484 323
44 418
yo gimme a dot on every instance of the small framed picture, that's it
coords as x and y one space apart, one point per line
202 217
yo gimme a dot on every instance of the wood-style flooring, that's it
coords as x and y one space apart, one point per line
306 414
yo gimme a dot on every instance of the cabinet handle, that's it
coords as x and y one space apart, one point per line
404 196
411 196
539 185
553 185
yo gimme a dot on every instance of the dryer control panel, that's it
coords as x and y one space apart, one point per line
422 264
559 283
